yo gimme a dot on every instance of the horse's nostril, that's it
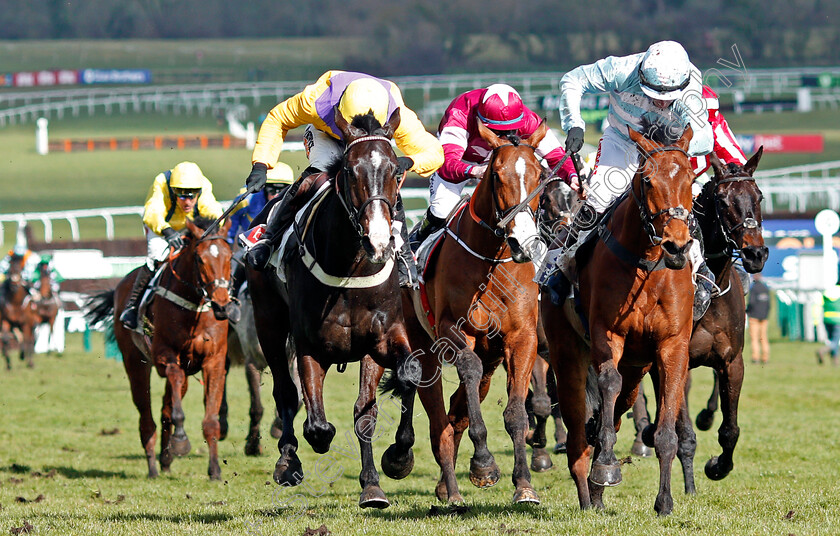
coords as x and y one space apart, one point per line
671 248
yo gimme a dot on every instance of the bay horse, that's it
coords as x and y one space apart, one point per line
635 295
43 304
14 318
728 211
340 303
485 314
188 319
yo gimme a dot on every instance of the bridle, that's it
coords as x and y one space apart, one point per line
546 225
342 186
674 213
203 290
732 248
508 214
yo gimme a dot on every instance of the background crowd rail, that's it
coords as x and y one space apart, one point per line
805 188
22 106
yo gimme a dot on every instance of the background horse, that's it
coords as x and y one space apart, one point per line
244 349
728 211
14 318
188 317
43 304
485 311
341 304
637 314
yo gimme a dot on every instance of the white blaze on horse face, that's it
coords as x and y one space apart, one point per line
674 170
376 159
379 230
214 250
519 166
524 229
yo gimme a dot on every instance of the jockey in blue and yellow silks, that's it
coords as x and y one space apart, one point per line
351 94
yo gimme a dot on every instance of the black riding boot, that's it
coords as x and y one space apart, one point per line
704 279
129 314
427 226
257 257
406 266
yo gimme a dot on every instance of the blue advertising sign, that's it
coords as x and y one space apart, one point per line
116 76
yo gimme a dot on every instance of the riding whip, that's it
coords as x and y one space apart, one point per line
230 209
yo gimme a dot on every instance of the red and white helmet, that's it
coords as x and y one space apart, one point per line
501 108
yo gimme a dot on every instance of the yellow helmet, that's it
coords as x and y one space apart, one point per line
281 173
186 176
364 95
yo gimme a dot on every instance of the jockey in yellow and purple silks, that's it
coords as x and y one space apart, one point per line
176 194
351 94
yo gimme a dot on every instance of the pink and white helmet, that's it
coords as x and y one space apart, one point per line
501 108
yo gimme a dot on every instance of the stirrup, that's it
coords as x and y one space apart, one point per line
707 282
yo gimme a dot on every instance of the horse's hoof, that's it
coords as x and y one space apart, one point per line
640 449
441 492
288 472
153 473
664 505
705 419
525 495
647 435
560 447
395 466
605 475
319 437
214 471
373 497
715 470
541 461
484 477
276 429
253 447
180 447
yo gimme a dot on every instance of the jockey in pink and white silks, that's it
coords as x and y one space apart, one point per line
660 86
725 145
466 154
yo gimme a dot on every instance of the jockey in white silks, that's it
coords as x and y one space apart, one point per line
660 86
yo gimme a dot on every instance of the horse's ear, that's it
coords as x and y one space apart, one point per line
717 165
639 139
752 163
349 131
194 229
538 135
488 135
685 139
225 227
393 124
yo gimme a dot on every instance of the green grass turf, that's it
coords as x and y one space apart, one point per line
784 480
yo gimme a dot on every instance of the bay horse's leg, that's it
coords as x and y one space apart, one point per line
606 470
317 431
27 346
559 429
166 454
731 378
213 371
252 442
541 406
223 409
4 341
179 444
641 420
398 459
672 362
687 445
139 371
521 352
706 417
365 412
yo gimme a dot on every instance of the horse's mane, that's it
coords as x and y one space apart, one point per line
661 131
366 122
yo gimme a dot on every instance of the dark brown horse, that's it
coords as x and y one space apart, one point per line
638 316
341 304
42 306
15 322
485 314
188 321
728 211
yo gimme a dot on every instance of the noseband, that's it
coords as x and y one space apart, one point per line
343 192
674 213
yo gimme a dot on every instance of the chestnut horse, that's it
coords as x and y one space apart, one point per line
14 294
638 316
728 211
340 302
485 313
42 305
188 318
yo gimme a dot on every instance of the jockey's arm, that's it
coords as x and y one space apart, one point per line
412 139
693 111
726 146
154 210
603 76
291 113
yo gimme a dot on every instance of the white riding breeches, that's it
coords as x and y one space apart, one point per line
157 248
615 164
443 195
321 148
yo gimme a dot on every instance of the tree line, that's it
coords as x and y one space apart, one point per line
426 36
